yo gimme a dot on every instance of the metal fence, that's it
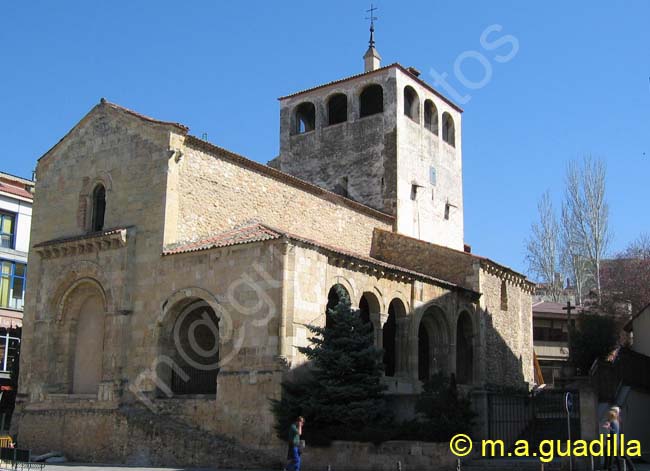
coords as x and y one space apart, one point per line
532 417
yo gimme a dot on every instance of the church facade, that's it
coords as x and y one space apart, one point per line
172 280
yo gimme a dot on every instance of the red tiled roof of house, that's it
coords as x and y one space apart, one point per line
15 190
240 235
547 307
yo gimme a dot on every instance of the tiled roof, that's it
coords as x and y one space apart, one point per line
104 102
394 65
92 235
257 232
115 106
241 235
547 307
15 190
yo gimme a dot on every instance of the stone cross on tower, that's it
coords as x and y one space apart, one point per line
371 59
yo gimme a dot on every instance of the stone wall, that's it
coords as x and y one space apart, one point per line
506 334
377 159
355 157
435 211
134 437
509 332
424 257
218 191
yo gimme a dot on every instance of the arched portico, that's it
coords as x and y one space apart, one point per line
432 348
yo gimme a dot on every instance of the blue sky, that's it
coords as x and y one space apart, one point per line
579 84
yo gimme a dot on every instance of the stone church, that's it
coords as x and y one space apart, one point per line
171 280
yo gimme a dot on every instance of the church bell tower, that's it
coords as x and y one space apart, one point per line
384 138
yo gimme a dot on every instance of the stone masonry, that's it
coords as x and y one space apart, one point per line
153 249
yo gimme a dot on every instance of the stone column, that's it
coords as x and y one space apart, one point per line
378 319
402 350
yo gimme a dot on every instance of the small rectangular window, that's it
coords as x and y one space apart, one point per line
414 192
12 284
18 281
432 175
7 230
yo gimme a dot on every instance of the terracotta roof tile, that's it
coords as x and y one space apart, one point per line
15 190
241 235
257 232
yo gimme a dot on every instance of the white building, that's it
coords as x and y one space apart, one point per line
15 223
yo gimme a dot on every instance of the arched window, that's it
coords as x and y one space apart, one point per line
99 208
448 129
371 100
411 104
464 349
305 118
337 109
337 294
431 117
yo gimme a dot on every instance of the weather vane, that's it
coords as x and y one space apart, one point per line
372 19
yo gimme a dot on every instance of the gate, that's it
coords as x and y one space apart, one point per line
531 417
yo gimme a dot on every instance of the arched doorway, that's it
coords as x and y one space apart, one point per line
464 349
190 342
87 370
83 313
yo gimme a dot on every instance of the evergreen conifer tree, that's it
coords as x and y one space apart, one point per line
344 390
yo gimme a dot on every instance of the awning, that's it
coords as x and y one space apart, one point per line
10 319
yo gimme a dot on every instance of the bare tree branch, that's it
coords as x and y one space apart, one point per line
585 215
542 251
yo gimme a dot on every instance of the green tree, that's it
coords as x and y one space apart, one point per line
443 411
594 337
343 390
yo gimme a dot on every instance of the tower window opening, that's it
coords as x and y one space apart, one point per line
305 118
371 100
448 130
504 296
337 109
431 117
411 104
414 192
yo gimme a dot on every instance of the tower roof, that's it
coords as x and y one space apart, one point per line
395 65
